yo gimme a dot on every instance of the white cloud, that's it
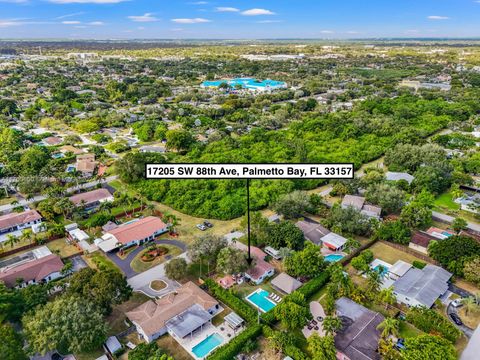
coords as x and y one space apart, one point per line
191 21
257 12
10 22
327 32
71 22
69 15
437 17
86 1
147 17
269 21
199 3
226 9
96 23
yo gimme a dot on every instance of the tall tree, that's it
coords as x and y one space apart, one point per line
322 347
11 344
389 326
68 324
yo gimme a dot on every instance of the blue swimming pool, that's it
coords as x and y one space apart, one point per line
260 300
205 347
382 270
334 257
247 83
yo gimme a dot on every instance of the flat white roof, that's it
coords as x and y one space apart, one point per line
108 245
400 268
334 239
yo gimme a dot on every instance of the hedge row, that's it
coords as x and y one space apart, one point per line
232 348
431 322
236 304
289 350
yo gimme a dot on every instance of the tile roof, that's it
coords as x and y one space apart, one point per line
422 238
286 283
153 315
90 197
14 218
37 270
138 230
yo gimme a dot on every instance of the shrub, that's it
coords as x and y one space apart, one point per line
231 300
431 322
419 264
235 346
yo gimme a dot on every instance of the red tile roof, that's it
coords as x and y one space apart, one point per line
90 196
36 270
14 218
138 230
421 238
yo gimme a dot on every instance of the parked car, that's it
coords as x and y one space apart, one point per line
456 303
208 224
201 227
400 345
456 319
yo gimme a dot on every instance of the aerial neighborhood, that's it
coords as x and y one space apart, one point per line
99 263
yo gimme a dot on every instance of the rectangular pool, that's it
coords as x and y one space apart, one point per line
205 347
333 257
260 300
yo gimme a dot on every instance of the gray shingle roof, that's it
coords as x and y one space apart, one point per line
425 285
396 176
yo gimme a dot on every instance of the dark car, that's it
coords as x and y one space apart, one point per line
400 345
57 356
456 319
208 224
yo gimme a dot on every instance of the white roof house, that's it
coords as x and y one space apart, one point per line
396 176
399 269
334 241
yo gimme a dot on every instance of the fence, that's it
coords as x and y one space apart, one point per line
27 247
410 251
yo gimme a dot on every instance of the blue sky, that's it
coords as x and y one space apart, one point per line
238 19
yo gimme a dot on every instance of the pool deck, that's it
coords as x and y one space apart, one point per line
255 305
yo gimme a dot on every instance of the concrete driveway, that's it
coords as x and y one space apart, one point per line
316 309
124 264
465 329
141 282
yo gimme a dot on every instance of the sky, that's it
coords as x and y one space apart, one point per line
238 19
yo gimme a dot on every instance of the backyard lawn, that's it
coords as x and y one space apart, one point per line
116 320
445 202
407 330
64 249
140 266
391 255
172 348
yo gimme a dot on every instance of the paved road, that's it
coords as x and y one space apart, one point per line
124 264
25 202
466 330
449 219
141 282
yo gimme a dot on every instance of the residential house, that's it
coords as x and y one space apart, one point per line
469 203
133 233
312 231
36 267
180 313
440 234
422 287
274 253
285 283
71 149
358 203
13 223
261 269
334 242
358 337
91 199
52 141
86 164
399 269
397 176
420 241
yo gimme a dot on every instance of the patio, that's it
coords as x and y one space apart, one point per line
317 312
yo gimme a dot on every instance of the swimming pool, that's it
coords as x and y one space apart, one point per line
382 270
247 83
205 347
334 257
260 300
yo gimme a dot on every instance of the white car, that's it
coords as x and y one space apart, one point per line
456 303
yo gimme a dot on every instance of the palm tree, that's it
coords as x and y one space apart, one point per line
27 235
470 305
374 280
387 296
11 240
150 208
331 325
389 326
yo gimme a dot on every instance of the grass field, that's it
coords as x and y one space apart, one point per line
391 255
62 247
445 202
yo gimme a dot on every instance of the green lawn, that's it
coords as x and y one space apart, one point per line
64 249
391 255
407 330
99 261
140 266
445 202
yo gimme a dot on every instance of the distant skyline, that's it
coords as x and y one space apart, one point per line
239 19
